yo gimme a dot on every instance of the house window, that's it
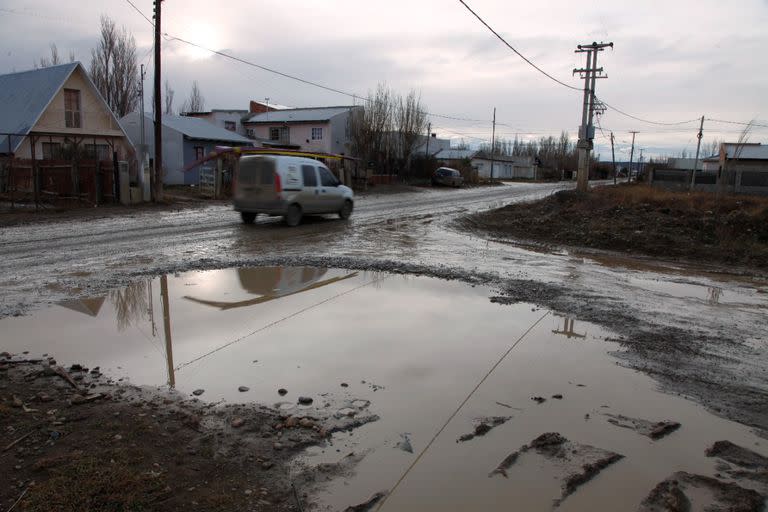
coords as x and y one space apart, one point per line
249 132
279 133
98 151
317 134
51 150
72 108
230 125
199 152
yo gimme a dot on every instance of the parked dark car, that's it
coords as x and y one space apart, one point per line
448 177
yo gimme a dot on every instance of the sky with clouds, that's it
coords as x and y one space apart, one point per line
673 60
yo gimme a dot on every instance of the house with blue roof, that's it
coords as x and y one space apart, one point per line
185 141
44 112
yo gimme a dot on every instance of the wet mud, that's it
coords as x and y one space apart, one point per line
683 492
73 439
698 332
483 426
653 429
576 463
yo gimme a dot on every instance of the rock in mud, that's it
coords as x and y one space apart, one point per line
198 392
737 455
243 389
305 400
538 399
404 443
575 463
654 430
483 426
368 505
670 495
750 465
282 391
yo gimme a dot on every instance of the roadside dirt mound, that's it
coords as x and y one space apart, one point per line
72 440
636 218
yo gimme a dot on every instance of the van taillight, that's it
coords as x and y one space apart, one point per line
278 185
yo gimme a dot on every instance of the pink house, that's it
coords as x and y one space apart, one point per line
322 129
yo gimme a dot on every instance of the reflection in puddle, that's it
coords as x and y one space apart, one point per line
407 349
567 329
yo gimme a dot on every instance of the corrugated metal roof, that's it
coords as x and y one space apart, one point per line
298 115
24 96
747 151
455 154
195 128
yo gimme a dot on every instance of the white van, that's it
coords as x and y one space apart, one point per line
289 186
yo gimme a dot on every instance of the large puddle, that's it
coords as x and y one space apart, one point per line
410 350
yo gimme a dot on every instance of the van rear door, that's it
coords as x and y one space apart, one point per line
255 181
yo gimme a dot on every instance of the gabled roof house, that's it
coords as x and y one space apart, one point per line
43 110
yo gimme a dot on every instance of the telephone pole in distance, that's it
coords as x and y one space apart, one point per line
698 147
587 130
631 156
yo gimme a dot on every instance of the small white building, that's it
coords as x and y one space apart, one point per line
505 167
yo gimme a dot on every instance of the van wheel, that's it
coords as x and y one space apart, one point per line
248 217
293 215
346 210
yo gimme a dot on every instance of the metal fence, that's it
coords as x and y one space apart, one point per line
738 181
57 182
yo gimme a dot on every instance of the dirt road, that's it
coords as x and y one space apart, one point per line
700 331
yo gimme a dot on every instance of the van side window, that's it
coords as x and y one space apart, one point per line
326 178
308 173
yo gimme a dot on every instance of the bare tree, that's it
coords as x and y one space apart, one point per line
714 147
168 99
370 127
53 60
410 125
195 102
114 67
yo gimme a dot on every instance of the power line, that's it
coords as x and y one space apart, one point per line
646 120
142 14
526 59
305 81
736 122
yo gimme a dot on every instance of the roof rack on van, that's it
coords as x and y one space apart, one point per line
241 151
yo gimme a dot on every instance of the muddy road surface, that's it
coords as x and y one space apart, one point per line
39 261
696 333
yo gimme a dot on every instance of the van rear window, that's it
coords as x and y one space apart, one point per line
257 171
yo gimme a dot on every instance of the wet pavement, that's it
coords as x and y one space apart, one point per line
409 350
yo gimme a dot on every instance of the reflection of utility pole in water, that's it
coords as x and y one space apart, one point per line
167 324
568 329
151 310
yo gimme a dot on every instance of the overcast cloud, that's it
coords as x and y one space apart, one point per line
673 60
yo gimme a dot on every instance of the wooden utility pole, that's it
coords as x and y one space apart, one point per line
493 142
143 144
429 135
631 156
698 147
587 130
613 158
158 168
